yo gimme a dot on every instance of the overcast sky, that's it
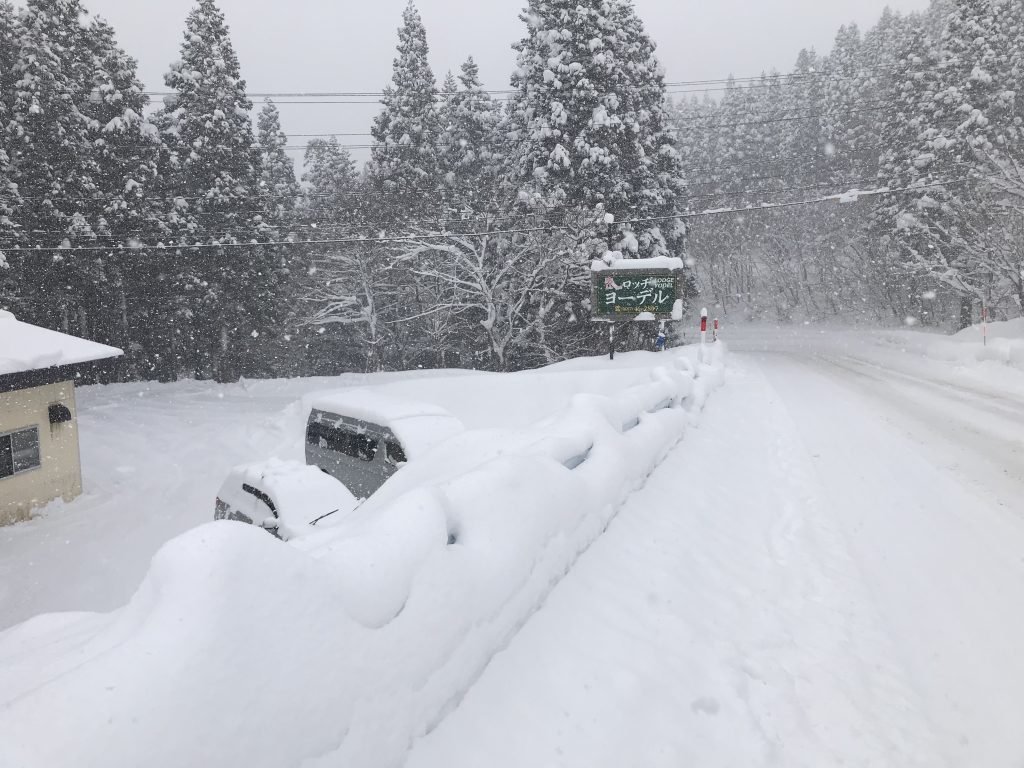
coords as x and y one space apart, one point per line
348 45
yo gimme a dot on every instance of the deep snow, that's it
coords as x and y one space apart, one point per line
828 571
154 455
370 630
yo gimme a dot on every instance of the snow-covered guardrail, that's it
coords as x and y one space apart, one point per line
240 650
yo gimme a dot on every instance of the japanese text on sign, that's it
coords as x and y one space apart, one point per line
625 294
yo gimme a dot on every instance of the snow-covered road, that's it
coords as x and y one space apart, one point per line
830 571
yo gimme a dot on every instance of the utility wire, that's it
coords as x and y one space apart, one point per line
815 74
483 217
694 170
852 195
725 81
879 106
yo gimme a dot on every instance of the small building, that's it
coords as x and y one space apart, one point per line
39 456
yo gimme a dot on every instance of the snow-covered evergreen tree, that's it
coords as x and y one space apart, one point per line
9 197
693 121
51 159
590 123
335 275
589 138
976 100
918 228
851 111
335 195
470 148
733 158
126 147
211 163
1010 22
405 167
807 147
211 171
968 122
279 188
982 49
935 18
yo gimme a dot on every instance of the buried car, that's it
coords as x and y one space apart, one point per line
362 437
287 498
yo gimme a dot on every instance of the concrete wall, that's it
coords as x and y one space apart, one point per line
60 472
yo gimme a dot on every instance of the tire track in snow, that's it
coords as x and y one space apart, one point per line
932 516
720 621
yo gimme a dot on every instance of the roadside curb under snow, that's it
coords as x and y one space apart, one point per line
239 650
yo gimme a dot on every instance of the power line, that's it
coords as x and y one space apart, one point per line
740 124
869 106
880 106
725 81
824 73
694 170
851 195
491 218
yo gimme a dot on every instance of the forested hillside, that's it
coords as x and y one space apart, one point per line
918 105
879 182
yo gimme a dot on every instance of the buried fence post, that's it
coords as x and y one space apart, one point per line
984 326
611 341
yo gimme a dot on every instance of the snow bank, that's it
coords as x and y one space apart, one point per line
26 347
1005 344
239 649
961 360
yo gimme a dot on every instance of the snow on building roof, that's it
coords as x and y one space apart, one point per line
26 347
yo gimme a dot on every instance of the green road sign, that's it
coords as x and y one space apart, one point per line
622 294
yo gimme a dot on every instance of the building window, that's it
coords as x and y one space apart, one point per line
19 451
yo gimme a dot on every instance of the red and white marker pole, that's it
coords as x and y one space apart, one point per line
703 326
714 335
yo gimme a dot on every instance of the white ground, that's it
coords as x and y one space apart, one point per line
828 571
154 456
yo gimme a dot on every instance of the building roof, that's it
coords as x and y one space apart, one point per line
25 347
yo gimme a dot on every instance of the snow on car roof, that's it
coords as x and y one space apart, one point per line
27 347
418 425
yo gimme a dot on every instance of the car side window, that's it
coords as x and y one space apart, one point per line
394 452
343 440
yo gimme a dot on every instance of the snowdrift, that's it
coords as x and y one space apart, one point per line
1005 344
240 650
